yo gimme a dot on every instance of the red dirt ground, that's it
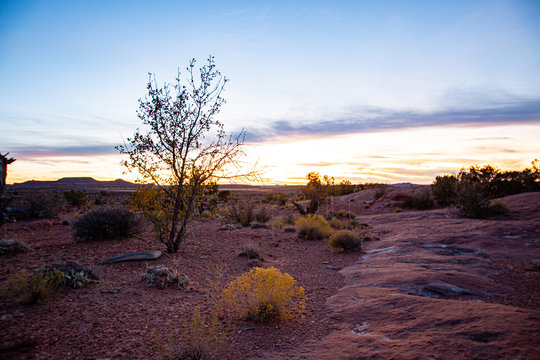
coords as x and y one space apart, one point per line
434 287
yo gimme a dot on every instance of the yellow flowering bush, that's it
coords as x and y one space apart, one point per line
264 295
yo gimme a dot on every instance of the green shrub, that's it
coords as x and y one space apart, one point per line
75 198
421 200
36 288
444 190
263 295
346 240
102 224
313 227
471 201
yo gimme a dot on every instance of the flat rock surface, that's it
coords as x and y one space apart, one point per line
439 287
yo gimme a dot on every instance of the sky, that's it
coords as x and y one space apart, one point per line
384 91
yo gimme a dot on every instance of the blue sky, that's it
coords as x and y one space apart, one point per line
72 73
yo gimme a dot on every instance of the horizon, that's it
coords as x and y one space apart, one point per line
387 92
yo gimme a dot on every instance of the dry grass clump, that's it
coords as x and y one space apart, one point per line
313 227
346 240
202 338
35 288
264 295
282 221
251 251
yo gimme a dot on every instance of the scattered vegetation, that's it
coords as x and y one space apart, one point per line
264 295
75 198
346 240
105 223
164 277
471 189
278 198
313 227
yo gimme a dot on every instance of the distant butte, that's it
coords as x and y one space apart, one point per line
86 183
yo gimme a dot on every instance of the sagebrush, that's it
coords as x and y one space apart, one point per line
104 223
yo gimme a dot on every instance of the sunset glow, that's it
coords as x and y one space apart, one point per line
370 92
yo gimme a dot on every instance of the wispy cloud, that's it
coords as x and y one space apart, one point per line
376 119
54 151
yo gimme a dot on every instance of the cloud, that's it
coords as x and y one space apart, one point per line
368 119
54 151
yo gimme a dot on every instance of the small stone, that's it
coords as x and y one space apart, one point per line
289 229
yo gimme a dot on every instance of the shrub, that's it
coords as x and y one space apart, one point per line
105 224
75 197
39 205
497 208
421 200
262 215
472 202
346 240
241 212
264 295
313 227
444 190
36 288
204 338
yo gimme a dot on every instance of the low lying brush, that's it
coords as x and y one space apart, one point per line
313 227
103 224
346 240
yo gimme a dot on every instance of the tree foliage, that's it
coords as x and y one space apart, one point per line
183 150
316 191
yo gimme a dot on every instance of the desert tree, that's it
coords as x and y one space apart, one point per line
316 191
183 150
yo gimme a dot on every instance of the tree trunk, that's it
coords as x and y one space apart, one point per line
4 161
